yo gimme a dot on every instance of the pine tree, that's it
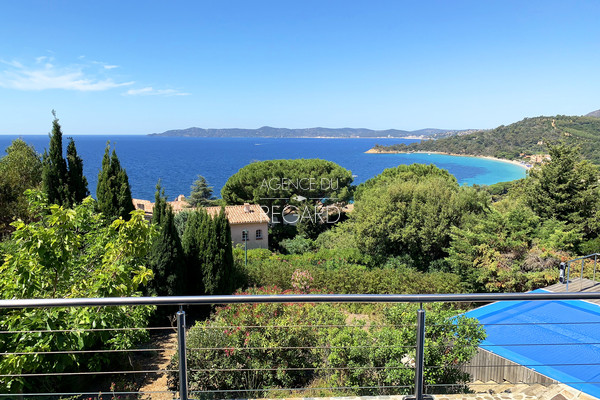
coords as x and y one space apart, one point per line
201 194
565 188
54 171
77 182
113 191
166 255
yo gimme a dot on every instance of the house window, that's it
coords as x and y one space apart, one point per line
244 236
259 234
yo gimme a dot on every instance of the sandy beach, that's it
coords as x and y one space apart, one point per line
519 163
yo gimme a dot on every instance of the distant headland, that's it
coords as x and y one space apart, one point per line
270 132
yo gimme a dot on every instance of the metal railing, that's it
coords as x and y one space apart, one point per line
183 350
582 259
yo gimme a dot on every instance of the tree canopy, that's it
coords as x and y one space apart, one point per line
20 169
201 193
113 191
565 188
275 184
409 212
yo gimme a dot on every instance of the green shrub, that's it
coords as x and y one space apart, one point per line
255 350
334 273
298 245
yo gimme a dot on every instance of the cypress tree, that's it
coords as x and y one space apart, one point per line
160 205
227 278
77 182
63 181
191 250
166 255
207 246
210 254
54 171
113 191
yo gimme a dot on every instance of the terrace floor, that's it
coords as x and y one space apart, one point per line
577 285
493 391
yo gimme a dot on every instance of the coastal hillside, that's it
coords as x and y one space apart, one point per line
518 140
267 131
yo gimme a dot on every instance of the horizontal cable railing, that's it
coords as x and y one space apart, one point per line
187 380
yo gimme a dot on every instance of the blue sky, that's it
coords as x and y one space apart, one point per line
120 67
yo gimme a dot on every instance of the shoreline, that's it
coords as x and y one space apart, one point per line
514 162
295 137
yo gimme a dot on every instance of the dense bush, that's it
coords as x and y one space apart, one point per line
298 245
339 272
510 250
256 350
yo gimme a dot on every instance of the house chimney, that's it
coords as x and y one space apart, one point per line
246 207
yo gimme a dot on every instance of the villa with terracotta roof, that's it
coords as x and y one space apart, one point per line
247 222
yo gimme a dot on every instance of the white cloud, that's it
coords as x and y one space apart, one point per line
49 76
111 66
150 91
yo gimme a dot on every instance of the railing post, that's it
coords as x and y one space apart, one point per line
183 386
420 353
581 277
419 357
595 259
568 273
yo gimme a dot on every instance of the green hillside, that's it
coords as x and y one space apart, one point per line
525 137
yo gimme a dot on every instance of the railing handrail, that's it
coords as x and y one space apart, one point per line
584 257
295 298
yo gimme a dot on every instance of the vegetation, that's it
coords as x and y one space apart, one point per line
78 185
20 169
63 181
566 189
201 194
409 211
413 230
525 137
345 272
67 253
300 186
208 253
113 191
261 348
166 258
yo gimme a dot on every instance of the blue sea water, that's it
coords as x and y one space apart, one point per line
177 161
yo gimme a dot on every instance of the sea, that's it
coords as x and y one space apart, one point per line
177 161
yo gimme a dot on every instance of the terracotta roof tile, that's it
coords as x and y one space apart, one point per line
243 214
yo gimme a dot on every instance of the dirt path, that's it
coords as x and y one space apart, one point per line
157 382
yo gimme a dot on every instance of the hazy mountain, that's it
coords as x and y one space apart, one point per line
593 114
267 131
